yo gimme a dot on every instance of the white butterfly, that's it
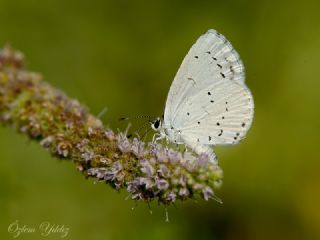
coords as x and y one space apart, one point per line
208 102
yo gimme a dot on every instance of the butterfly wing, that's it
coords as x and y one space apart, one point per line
210 59
220 114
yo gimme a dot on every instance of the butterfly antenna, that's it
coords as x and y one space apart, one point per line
136 117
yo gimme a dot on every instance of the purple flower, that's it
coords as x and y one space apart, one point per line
190 165
183 180
63 149
111 174
104 160
133 185
123 143
163 171
119 177
91 131
109 134
171 197
98 172
47 141
161 155
183 192
203 160
116 167
82 143
147 168
188 156
162 184
147 182
158 151
174 157
153 148
87 156
207 193
137 148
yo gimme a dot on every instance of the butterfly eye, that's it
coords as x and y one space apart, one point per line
156 123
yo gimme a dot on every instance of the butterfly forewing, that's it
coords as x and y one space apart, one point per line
212 58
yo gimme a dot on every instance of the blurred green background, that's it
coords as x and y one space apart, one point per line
123 55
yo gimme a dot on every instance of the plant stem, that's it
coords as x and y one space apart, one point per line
68 131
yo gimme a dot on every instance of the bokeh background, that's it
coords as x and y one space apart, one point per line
123 55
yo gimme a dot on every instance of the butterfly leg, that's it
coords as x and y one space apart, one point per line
156 137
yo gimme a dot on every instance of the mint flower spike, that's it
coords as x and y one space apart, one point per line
64 127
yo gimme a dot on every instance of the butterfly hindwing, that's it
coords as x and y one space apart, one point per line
221 114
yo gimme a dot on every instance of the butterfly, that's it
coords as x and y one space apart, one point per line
208 103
